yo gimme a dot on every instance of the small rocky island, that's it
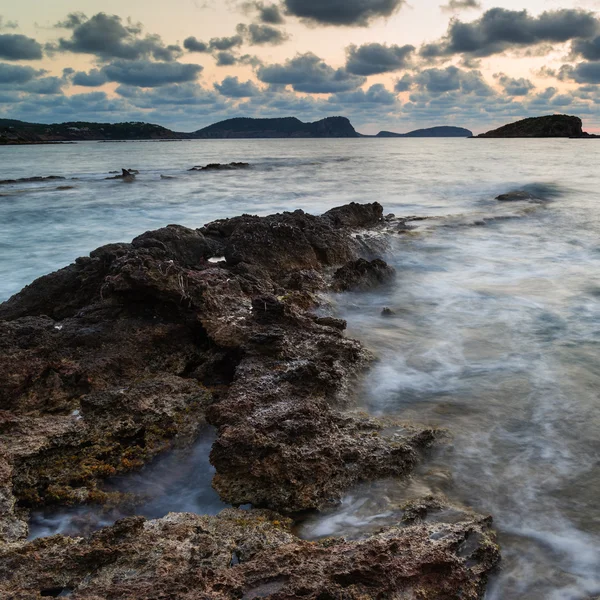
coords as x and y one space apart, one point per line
131 351
430 132
550 126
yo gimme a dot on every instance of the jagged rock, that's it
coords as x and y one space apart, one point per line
127 175
115 359
362 275
387 312
248 555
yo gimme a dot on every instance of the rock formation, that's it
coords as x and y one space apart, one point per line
540 127
129 352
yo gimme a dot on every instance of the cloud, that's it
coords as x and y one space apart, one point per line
45 86
95 78
376 94
310 74
225 59
107 37
588 49
514 87
371 59
175 95
7 24
232 87
226 43
585 72
144 73
14 74
19 47
451 79
458 5
267 13
192 44
260 35
499 30
342 12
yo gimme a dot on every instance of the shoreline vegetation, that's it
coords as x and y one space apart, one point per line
20 133
130 352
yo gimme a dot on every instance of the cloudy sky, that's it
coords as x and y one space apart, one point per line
385 64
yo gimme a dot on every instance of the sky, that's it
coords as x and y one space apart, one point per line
393 65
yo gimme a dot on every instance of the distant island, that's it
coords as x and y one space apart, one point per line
20 132
430 132
549 126
290 127
13 132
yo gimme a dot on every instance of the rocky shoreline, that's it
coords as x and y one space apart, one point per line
131 351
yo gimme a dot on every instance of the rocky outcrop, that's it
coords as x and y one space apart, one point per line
31 180
540 127
249 555
128 352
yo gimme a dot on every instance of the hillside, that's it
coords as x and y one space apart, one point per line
290 127
441 131
20 132
550 126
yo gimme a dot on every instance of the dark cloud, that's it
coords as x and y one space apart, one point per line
232 87
451 79
585 72
107 37
225 59
175 95
45 86
458 5
7 24
192 44
588 49
308 73
376 94
514 87
95 78
226 43
404 84
370 59
499 30
19 47
144 73
17 74
267 13
342 12
260 35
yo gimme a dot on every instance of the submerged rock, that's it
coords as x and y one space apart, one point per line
518 196
31 179
222 167
127 175
240 554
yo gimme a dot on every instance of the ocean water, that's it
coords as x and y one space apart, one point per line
495 336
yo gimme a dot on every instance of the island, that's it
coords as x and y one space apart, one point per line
13 132
440 131
549 126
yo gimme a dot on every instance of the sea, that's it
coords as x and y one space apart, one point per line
494 336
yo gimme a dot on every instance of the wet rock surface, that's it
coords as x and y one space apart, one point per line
253 554
129 352
234 166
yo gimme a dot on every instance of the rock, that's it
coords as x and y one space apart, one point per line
387 312
167 177
145 342
362 275
127 175
355 215
222 167
540 127
331 322
516 196
31 180
240 554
